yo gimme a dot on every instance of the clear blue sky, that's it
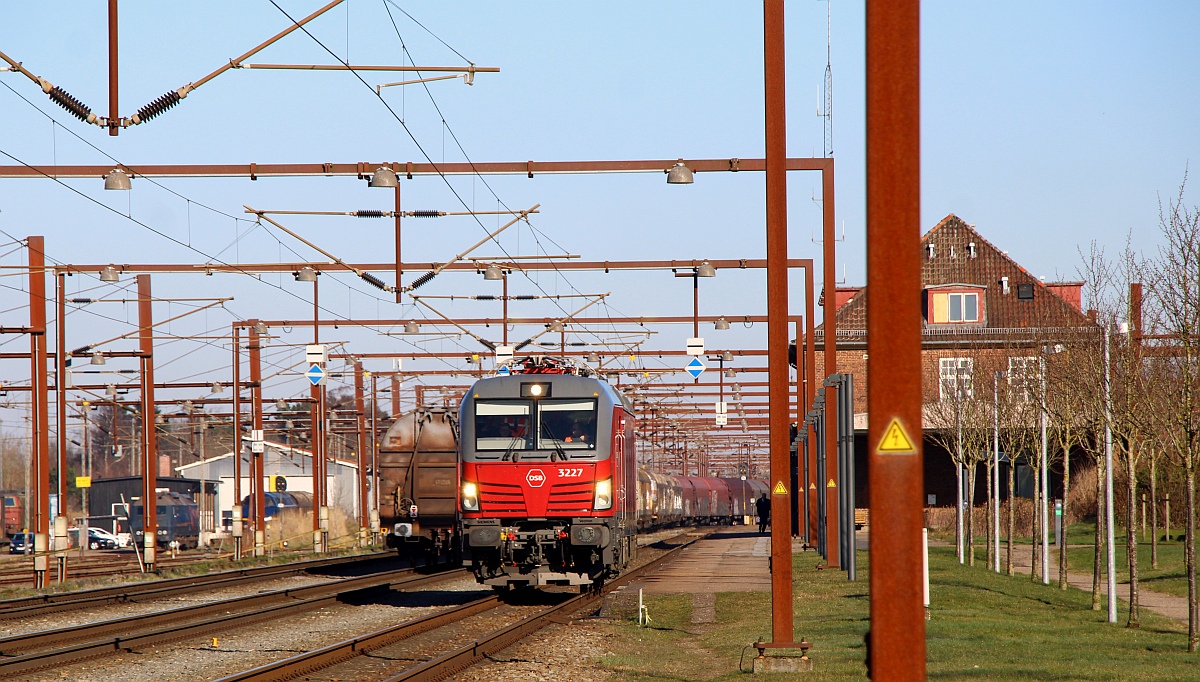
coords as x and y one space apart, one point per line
1047 125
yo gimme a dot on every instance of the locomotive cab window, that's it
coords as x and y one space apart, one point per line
502 425
567 424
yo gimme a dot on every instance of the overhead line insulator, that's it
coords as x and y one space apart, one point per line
420 281
427 214
158 106
368 213
76 108
373 281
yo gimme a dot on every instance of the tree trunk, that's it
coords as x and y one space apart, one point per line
1097 570
1062 546
969 533
1012 518
1190 552
1167 515
1154 512
1131 543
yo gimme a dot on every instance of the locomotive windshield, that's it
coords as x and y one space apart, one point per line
567 424
503 425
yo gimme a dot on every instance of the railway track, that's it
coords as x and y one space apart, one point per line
42 604
89 567
64 646
329 659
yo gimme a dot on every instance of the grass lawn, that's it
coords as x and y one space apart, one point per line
1169 578
983 626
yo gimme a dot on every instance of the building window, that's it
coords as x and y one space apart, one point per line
958 307
955 378
1023 378
963 307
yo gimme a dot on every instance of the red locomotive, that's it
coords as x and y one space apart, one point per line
548 476
550 492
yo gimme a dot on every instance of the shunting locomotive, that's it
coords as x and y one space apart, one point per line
548 476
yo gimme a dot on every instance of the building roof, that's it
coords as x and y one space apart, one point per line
280 447
953 260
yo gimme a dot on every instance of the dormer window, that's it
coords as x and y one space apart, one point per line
963 307
954 304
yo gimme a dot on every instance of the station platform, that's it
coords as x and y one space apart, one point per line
728 560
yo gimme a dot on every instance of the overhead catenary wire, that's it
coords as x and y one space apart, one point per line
232 267
426 277
447 128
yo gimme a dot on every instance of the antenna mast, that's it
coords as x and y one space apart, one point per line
828 90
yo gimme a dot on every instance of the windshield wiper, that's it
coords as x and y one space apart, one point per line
511 446
562 454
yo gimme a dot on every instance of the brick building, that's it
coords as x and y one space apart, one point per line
981 312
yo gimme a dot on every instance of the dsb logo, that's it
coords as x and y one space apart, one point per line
535 478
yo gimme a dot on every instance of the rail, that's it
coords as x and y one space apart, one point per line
24 607
447 664
51 648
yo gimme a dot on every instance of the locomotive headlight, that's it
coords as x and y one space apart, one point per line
470 496
603 498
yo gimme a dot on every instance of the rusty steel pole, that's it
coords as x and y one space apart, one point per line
810 387
360 410
798 492
258 495
60 389
897 640
374 444
395 395
114 113
317 431
38 402
400 263
777 321
149 428
829 317
237 417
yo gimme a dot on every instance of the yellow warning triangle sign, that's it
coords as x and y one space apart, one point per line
779 489
896 440
831 484
812 486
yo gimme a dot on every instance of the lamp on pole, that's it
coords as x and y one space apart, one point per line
1108 482
996 377
959 469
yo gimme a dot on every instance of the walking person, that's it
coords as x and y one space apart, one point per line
763 506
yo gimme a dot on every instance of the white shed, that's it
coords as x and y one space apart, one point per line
294 464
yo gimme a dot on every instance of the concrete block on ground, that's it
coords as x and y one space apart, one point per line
704 607
782 664
621 602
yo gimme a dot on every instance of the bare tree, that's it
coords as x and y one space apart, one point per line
1175 286
945 416
1070 417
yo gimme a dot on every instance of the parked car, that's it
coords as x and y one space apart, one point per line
98 538
21 543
